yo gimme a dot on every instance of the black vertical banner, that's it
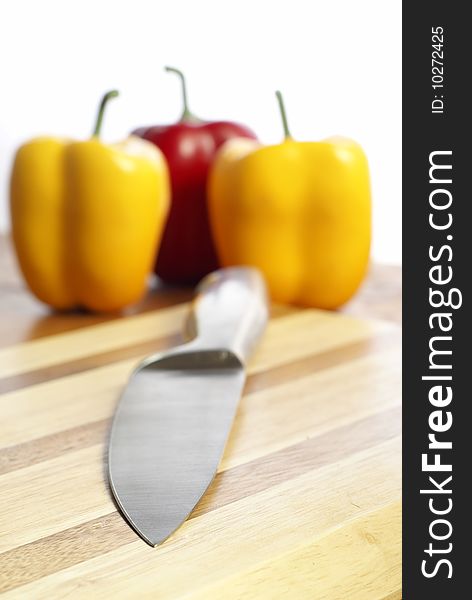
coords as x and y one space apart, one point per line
437 267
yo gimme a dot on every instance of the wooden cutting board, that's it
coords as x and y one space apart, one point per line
306 503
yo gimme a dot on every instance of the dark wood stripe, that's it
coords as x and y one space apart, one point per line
94 538
92 361
70 440
325 360
287 463
47 447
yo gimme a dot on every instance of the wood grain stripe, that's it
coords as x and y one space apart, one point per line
105 337
306 500
58 370
73 439
368 545
55 368
237 537
324 360
48 447
92 395
255 476
77 544
63 492
40 321
64 347
93 361
394 595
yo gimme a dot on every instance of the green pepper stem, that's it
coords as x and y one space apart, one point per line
186 114
283 114
101 109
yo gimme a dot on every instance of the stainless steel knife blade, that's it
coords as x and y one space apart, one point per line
174 416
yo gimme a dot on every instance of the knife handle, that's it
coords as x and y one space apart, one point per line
230 311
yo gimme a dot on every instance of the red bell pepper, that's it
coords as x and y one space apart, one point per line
187 252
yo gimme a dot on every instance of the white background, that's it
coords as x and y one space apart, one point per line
338 63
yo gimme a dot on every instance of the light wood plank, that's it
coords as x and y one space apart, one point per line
237 537
49 407
261 427
311 471
104 337
359 560
307 407
67 347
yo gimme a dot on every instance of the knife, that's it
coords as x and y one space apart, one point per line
175 414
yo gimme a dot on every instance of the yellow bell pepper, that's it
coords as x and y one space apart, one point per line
87 218
299 211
